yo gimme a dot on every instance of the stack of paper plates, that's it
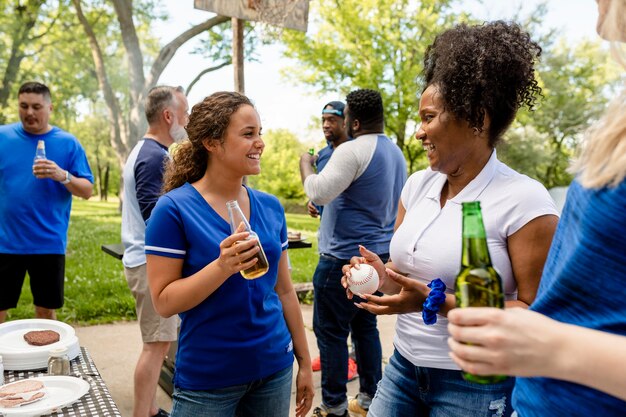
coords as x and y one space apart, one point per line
18 355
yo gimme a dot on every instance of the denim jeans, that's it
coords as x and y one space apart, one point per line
267 397
334 317
409 390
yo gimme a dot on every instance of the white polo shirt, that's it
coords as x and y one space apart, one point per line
428 243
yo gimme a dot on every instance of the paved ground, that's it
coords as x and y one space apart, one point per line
115 349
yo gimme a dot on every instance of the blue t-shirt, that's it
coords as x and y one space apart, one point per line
582 284
35 213
238 334
323 156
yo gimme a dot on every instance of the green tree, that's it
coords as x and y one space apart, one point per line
376 44
94 129
280 166
577 81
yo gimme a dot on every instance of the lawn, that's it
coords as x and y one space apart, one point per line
95 287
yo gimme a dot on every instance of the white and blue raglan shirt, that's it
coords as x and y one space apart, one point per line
238 334
143 179
360 189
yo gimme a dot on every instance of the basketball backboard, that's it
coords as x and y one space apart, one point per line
292 14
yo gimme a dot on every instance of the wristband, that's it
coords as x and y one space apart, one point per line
435 298
68 178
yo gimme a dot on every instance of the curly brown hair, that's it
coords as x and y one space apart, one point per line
208 122
486 69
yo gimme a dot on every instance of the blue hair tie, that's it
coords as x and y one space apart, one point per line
435 298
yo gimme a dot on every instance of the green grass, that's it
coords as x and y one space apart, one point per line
95 286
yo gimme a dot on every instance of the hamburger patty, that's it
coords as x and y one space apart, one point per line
41 337
26 385
14 402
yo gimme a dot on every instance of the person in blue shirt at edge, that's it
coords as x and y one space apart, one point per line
569 352
335 134
461 124
166 111
237 337
35 202
360 189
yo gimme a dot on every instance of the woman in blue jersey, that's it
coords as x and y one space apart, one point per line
577 365
238 337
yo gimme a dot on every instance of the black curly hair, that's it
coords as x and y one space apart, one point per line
487 69
366 106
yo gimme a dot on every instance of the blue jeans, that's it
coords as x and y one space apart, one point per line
409 390
267 397
334 317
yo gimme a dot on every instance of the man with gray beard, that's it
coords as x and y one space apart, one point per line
167 112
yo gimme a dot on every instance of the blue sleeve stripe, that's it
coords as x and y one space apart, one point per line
285 244
165 250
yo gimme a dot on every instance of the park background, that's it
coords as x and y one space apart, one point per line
99 57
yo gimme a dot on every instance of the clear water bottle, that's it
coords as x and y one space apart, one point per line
236 218
59 362
41 150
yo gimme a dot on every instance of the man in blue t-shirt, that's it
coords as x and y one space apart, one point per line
35 202
360 188
167 112
335 135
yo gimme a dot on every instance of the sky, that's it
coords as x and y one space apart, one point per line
281 104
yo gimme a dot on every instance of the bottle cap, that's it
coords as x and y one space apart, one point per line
58 351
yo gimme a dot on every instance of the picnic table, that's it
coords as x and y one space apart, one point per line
97 402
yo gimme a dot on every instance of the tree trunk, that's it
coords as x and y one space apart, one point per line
105 188
125 132
117 135
26 19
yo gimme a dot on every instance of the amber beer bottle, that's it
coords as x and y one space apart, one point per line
236 218
478 284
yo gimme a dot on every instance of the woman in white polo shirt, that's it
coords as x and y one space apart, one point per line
477 77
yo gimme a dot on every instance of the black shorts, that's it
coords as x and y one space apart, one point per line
47 276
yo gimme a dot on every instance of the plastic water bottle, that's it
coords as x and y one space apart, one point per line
41 150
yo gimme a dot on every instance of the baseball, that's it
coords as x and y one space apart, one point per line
363 280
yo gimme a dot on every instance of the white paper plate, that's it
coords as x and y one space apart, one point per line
18 355
61 391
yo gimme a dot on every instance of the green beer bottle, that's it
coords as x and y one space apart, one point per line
478 284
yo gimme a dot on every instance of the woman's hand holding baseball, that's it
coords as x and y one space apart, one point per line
367 257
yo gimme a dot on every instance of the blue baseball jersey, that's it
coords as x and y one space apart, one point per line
238 334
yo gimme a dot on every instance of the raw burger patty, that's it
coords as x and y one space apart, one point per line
41 337
13 402
20 387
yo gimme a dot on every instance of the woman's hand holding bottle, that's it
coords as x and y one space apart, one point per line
237 252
